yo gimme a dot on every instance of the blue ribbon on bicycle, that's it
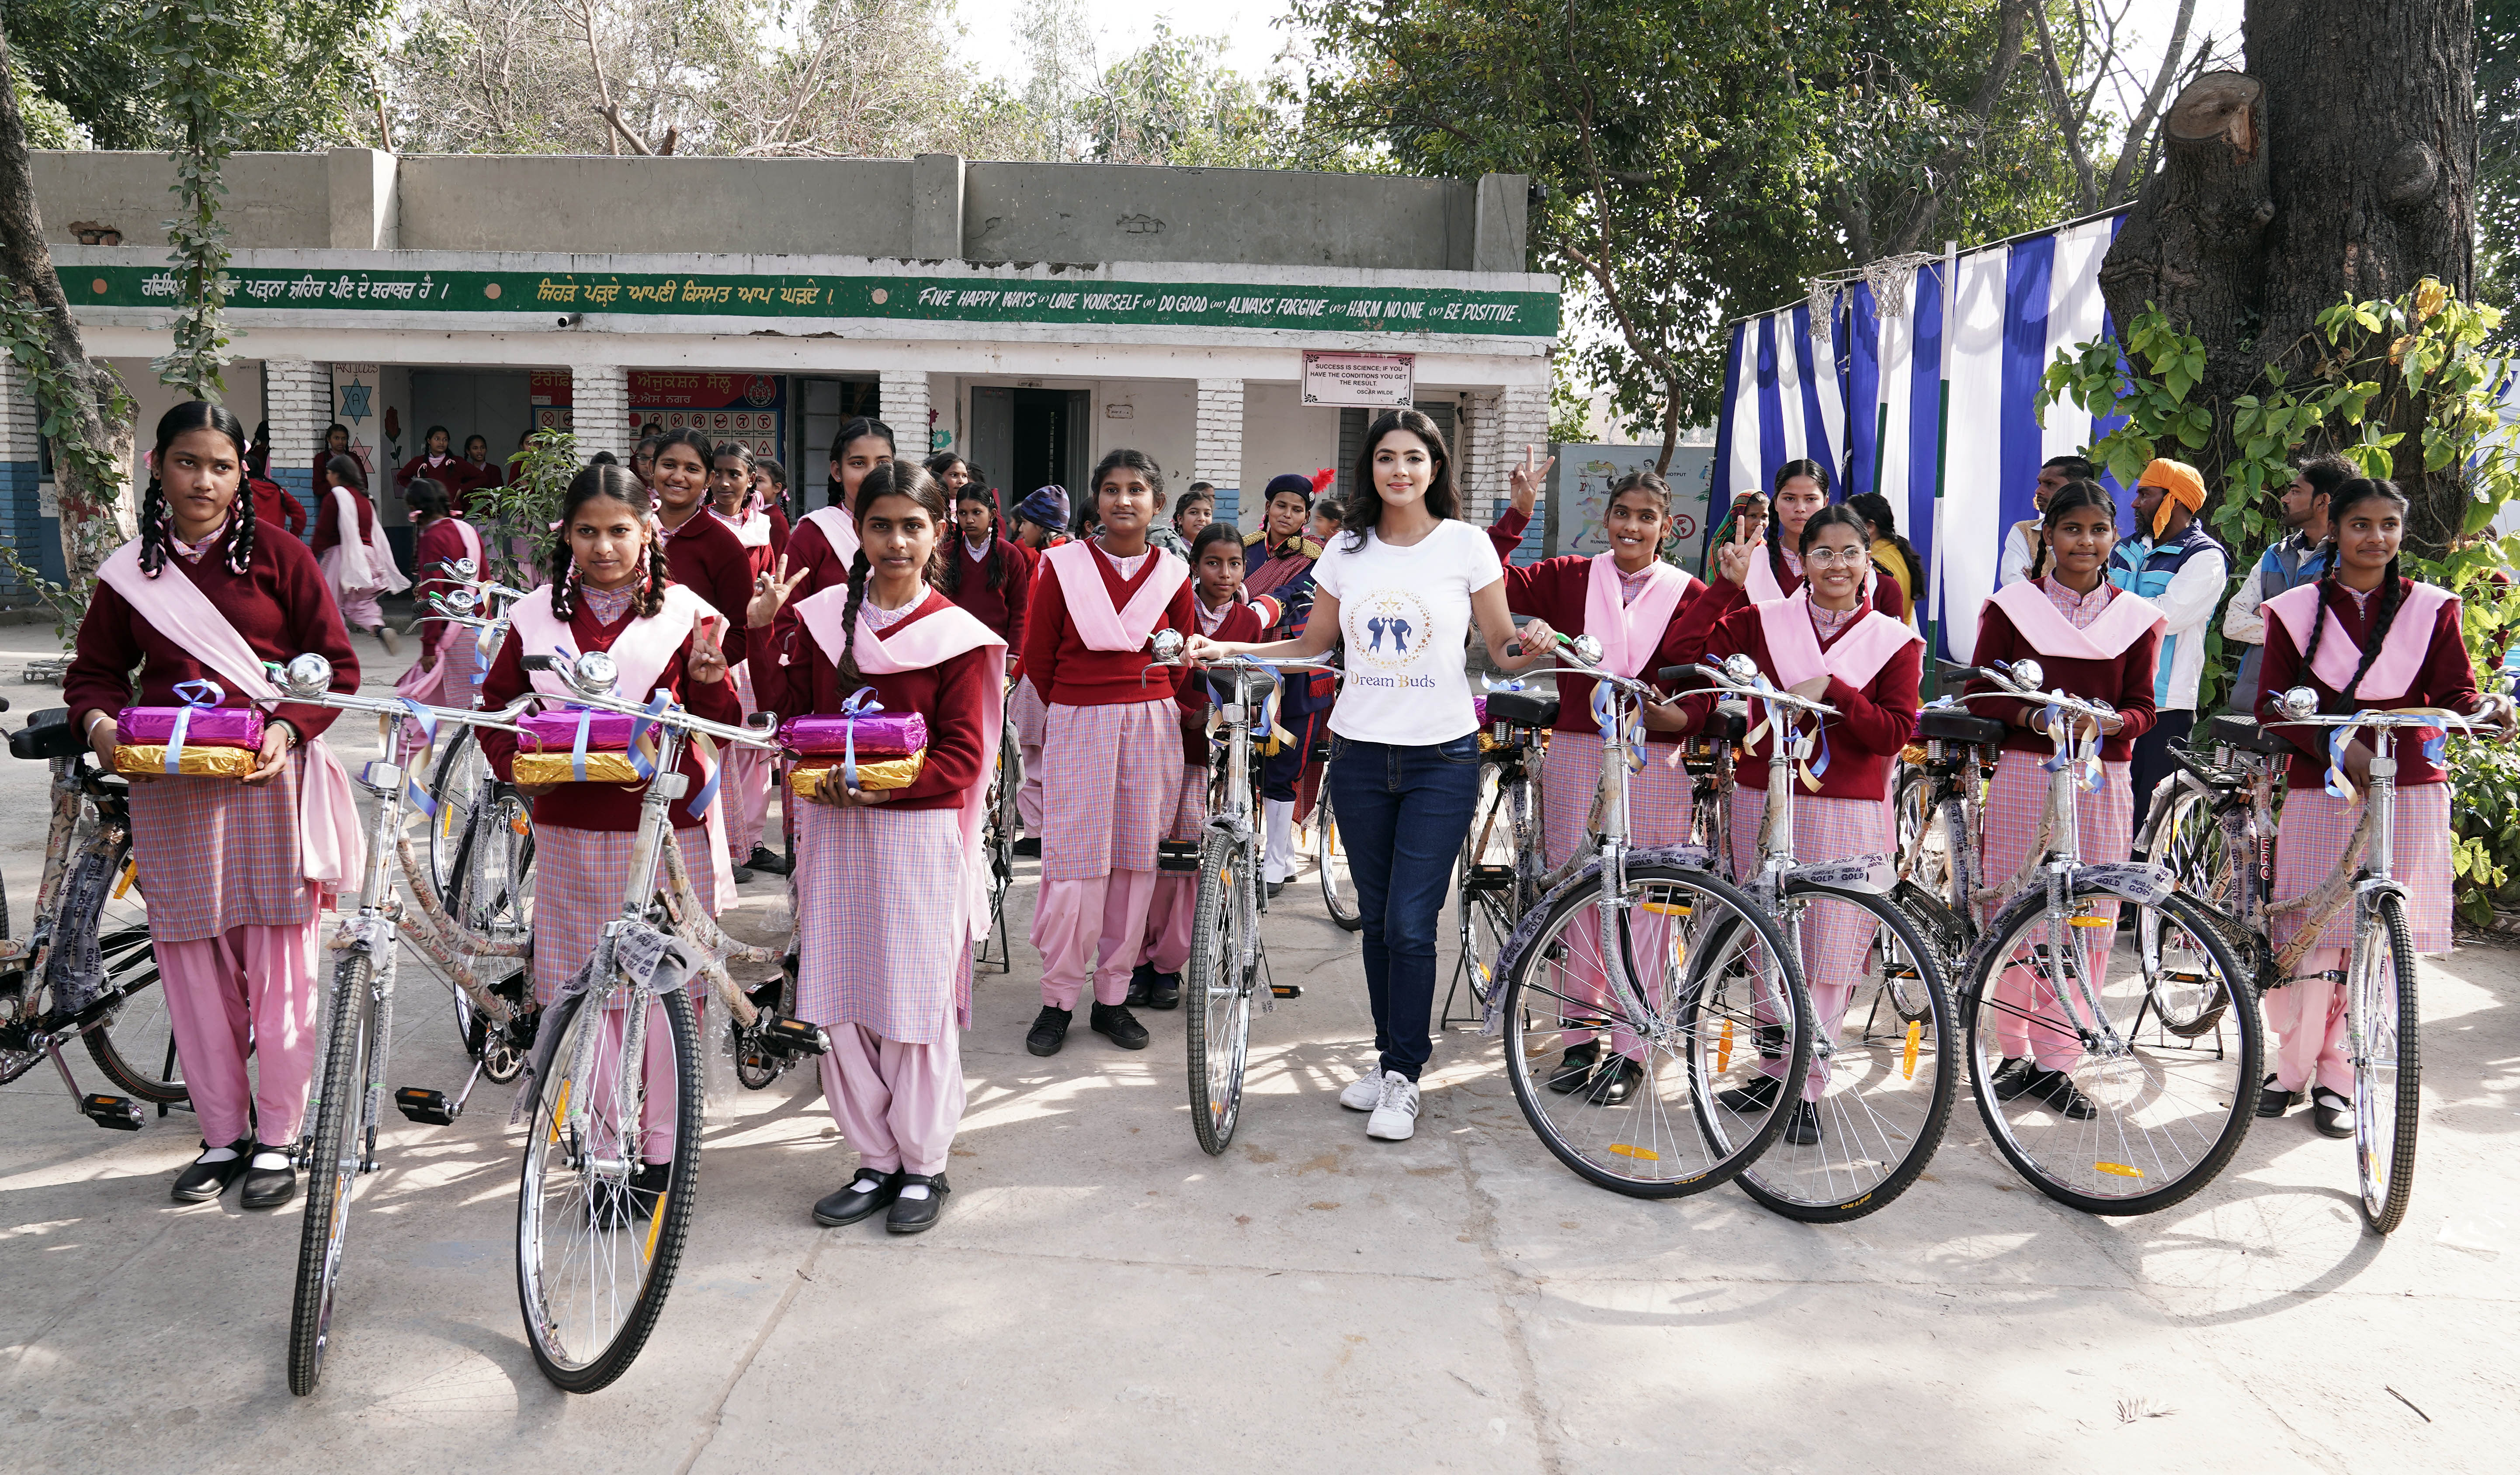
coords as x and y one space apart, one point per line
861 704
426 721
2339 786
641 763
1812 772
1605 716
2092 775
195 696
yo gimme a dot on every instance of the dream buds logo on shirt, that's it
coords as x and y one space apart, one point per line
1389 629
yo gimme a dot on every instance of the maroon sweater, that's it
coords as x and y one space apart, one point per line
2448 680
705 555
328 521
1554 590
602 806
438 542
809 551
1065 671
280 605
1002 609
2125 682
1872 725
274 508
805 678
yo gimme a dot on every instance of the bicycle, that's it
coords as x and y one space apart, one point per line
1672 963
999 838
2142 1116
589 1283
84 970
1887 1071
1228 963
1501 857
1330 857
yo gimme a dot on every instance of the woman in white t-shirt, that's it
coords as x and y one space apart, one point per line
1399 588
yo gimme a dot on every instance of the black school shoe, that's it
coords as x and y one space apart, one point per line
2272 1102
1575 1067
202 1182
1757 1096
2331 1113
1029 845
850 1203
2013 1078
1802 1129
767 861
1141 979
1615 1082
1049 1029
1114 1021
910 1216
268 1187
649 1186
1163 992
2056 1088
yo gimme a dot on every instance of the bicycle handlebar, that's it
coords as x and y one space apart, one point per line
1735 683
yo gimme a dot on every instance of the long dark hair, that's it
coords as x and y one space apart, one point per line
2074 496
616 482
157 519
1363 508
892 479
994 561
347 469
1088 518
688 435
1874 508
1775 546
2345 499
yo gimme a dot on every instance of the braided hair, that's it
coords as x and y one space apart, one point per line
994 561
617 484
891 479
2360 490
1818 475
158 519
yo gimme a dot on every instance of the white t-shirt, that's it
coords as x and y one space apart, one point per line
1404 613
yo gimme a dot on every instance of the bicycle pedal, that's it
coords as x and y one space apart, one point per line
430 1108
1489 879
1177 856
793 1037
1285 990
121 1113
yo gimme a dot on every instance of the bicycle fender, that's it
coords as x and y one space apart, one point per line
2377 886
2138 881
1684 857
1878 875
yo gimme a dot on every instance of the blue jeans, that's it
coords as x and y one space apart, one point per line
1403 814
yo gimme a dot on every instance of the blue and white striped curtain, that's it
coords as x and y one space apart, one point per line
1790 393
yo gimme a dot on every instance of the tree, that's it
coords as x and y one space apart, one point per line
2498 164
2341 166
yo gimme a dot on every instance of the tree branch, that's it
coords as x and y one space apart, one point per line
2122 179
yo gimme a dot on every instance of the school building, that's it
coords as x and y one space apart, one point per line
1233 324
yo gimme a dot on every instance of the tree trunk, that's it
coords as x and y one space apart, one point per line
2372 111
96 518
2195 242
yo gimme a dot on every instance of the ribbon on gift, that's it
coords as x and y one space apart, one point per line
861 704
1811 773
195 696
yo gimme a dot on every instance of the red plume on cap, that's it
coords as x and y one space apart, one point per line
1323 478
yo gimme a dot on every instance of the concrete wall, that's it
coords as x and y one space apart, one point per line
1102 212
781 206
1281 433
1163 422
273 200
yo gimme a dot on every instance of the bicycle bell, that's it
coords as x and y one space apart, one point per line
2300 702
1167 647
462 568
457 601
2029 673
1587 648
594 674
1741 670
306 677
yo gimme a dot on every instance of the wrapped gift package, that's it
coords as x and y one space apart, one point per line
147 760
884 735
559 766
606 732
807 778
208 726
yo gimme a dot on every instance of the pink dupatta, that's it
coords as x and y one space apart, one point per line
1630 634
1089 600
2402 655
2045 626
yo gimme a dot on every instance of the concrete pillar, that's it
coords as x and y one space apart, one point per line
1482 474
1218 456
297 400
1501 241
22 525
902 397
362 186
1520 418
600 410
935 208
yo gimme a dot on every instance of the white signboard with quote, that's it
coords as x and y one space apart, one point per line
1375 380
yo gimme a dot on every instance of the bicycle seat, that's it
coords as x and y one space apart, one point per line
1945 725
2232 729
46 735
1726 724
1522 709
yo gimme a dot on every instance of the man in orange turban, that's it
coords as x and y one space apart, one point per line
2174 563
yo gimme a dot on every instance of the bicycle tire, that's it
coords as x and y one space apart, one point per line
456 787
1218 988
1877 1131
331 1169
2194 1110
1600 1141
1329 864
667 1224
2191 846
135 1048
2388 1073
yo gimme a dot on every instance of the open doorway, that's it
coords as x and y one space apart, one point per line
1027 438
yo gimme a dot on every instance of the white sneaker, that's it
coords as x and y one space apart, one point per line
1395 1118
390 640
1365 1093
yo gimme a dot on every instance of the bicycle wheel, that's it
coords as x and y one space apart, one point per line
2388 1068
1913 810
2191 845
1649 1118
463 776
2140 1123
1492 874
135 1045
591 1277
1329 862
332 1167
1219 983
1887 1051
493 895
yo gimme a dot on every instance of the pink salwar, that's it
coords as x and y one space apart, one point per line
899 1103
1113 786
1032 726
1174 907
2028 1020
1076 919
249 990
745 789
1834 937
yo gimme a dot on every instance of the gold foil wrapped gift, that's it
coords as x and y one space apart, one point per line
807 778
147 760
555 766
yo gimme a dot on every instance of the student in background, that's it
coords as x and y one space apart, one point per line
1191 513
436 462
985 574
1038 521
2296 558
2173 563
476 472
273 507
1281 562
1892 555
2025 555
351 549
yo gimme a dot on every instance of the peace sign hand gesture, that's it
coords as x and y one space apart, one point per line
770 592
1524 480
707 663
1732 560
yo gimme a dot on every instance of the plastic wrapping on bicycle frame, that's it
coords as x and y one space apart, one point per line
659 961
1687 857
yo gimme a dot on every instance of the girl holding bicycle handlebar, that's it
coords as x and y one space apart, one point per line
233 868
1827 643
2362 635
2094 642
892 883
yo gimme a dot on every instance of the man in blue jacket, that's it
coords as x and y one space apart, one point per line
2175 564
2295 559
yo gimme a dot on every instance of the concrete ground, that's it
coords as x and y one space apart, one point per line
1102 1295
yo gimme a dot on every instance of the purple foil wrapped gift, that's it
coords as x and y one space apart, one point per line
606 732
879 734
210 726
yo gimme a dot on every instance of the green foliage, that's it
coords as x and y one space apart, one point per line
195 46
2498 158
48 124
80 468
516 518
2485 852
